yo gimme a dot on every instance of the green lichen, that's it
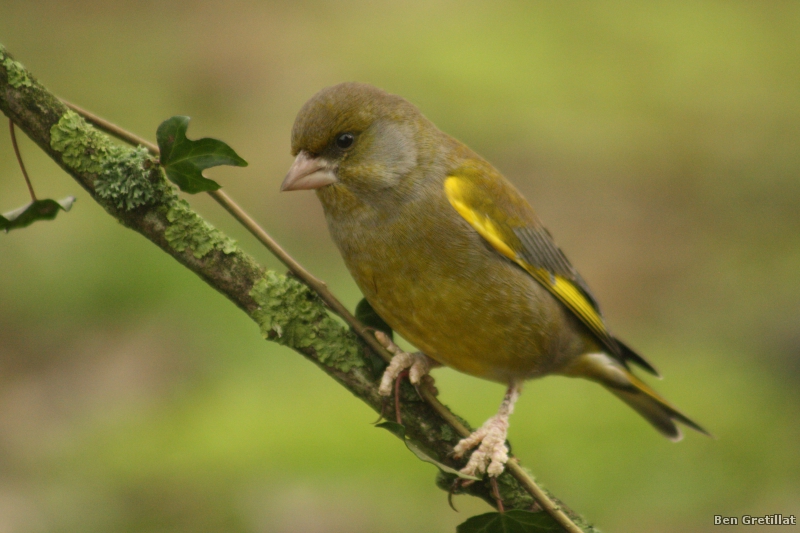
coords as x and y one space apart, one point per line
291 314
123 175
188 231
82 147
448 433
17 75
127 181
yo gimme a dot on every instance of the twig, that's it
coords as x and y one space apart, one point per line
336 306
551 507
19 159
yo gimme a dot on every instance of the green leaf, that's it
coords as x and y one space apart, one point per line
514 521
184 160
420 451
367 316
30 213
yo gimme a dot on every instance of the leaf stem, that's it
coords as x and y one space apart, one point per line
425 391
19 160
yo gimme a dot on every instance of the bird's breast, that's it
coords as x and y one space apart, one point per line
439 285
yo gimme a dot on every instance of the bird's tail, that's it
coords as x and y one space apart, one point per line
634 392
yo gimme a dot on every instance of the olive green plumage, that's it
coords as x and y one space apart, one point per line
450 254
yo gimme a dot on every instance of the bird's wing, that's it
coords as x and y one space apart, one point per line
502 216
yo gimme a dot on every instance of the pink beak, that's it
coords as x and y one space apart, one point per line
308 173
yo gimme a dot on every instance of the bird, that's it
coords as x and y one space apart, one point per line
452 256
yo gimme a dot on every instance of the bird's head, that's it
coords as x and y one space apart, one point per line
356 136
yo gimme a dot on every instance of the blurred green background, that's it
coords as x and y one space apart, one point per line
659 142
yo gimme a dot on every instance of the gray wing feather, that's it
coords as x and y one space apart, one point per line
539 249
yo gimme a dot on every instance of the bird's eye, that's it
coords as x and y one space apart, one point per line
345 140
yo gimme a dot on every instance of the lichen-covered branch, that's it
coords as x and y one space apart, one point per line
129 184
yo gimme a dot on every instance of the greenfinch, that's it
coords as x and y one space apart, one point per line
451 255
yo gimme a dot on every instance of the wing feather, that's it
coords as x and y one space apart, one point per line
501 215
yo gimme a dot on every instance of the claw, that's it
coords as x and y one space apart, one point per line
496 494
397 415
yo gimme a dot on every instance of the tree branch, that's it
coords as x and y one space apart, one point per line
129 185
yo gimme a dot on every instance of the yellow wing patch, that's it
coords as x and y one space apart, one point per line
457 191
481 222
564 290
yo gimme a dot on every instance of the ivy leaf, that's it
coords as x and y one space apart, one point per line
37 210
514 521
420 451
184 160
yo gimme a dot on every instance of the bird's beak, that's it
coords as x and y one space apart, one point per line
309 172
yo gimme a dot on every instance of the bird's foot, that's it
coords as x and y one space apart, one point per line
491 454
418 364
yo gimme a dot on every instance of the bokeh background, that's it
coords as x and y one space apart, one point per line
659 141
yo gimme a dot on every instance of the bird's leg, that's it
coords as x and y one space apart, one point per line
418 365
492 454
